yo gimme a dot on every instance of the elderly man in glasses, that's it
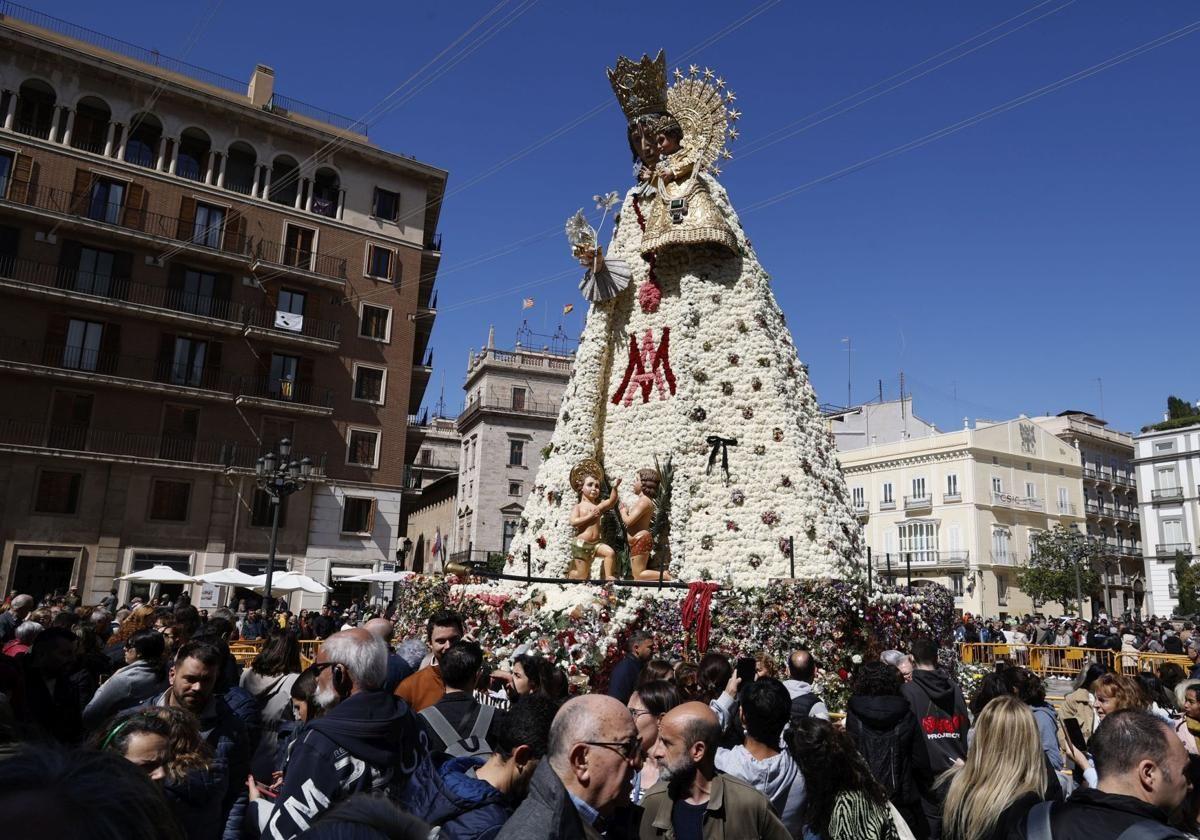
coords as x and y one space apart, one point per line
594 751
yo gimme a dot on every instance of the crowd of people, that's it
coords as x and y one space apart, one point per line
1125 636
140 723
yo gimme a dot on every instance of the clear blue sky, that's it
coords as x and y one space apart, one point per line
1004 268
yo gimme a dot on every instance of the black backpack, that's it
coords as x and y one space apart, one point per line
802 706
887 754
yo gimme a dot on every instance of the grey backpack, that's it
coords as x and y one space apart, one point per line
1037 827
475 743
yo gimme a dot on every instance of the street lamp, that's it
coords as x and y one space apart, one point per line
279 478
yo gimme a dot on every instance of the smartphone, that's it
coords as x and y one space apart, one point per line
746 666
1075 733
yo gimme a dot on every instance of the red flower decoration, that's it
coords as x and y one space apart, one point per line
649 296
541 541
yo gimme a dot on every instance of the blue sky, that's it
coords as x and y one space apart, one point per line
1004 268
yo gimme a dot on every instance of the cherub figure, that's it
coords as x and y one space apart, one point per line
585 519
637 518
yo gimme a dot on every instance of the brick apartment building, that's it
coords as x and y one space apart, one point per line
191 269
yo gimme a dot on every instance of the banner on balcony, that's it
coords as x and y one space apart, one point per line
289 321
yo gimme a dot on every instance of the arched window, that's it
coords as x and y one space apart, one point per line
240 163
92 117
285 180
326 188
145 135
35 109
194 148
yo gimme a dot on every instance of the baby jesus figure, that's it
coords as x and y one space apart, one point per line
637 518
585 519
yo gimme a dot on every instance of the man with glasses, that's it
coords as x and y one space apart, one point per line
574 794
697 802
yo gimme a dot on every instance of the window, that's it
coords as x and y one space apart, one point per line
289 310
299 246
83 345
206 230
1164 445
379 262
514 488
952 484
357 515
516 453
57 492
511 526
187 362
1000 540
918 488
362 447
95 273
1030 490
180 423
888 499
169 500
920 541
70 418
6 168
106 200
282 382
1064 500
369 384
425 456
386 205
275 430
1172 530
956 585
1165 477
858 497
1034 536
997 485
1002 590
375 322
262 510
518 399
197 292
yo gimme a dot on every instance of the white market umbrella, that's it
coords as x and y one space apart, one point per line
380 577
290 582
228 577
159 574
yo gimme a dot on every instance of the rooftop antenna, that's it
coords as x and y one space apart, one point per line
1100 385
440 408
849 349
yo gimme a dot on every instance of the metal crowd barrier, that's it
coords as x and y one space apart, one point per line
1055 661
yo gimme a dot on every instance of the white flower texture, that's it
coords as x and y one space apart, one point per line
727 335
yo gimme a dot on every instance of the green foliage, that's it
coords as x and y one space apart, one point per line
1050 575
660 523
1178 409
1174 423
613 533
1187 577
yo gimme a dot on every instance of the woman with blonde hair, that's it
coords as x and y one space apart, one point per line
1003 778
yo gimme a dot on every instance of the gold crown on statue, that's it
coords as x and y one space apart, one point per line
641 87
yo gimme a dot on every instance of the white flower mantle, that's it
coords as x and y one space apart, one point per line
735 366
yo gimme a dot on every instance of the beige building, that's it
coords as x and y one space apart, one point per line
512 406
1110 498
960 508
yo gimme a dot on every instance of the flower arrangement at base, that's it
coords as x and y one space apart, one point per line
582 629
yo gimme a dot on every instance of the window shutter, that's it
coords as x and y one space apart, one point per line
223 286
135 205
305 391
68 265
81 190
166 356
122 274
22 191
187 219
56 338
235 234
175 277
212 365
110 348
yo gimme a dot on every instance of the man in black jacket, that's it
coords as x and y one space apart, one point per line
458 707
938 703
1142 770
625 674
367 740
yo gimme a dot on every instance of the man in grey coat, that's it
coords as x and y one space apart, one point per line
594 751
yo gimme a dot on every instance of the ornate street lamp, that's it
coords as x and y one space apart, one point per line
279 478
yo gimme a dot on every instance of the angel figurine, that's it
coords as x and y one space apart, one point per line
605 279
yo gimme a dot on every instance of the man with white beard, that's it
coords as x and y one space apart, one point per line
367 740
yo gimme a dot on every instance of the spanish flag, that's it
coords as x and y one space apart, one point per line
527 303
568 308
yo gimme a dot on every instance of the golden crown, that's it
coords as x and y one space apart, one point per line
641 87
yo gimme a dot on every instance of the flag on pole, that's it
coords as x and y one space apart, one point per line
568 308
527 303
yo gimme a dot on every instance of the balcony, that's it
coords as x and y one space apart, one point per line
265 322
897 563
1007 559
434 244
103 444
1017 502
918 502
1166 551
91 212
1068 509
94 366
309 263
860 508
526 408
1167 494
283 394
947 498
887 504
